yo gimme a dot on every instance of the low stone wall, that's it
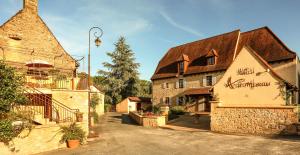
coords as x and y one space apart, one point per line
254 120
148 121
40 139
136 117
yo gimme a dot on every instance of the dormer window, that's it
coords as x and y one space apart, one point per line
211 60
211 57
181 67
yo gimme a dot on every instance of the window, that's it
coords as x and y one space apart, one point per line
181 83
167 85
209 81
211 60
181 67
180 100
167 100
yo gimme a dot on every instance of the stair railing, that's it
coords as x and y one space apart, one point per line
53 109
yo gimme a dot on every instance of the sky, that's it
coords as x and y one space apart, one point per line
151 27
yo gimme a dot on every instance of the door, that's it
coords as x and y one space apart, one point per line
207 103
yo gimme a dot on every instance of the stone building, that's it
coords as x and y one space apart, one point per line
133 104
187 74
56 94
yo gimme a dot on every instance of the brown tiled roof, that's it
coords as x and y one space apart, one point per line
184 58
227 46
140 99
198 91
211 53
266 44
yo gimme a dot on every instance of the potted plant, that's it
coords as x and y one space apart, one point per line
79 116
73 135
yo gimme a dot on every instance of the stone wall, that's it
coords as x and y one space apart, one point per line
148 121
26 37
253 120
41 138
192 81
75 100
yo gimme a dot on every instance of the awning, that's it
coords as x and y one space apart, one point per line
38 64
198 91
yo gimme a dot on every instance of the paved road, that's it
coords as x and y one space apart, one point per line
124 138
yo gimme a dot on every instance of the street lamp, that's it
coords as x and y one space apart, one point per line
98 33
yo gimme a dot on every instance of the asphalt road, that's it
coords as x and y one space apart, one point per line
122 137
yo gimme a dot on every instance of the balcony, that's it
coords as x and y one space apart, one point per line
53 83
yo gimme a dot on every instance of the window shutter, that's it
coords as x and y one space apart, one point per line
177 85
163 85
214 80
204 81
184 83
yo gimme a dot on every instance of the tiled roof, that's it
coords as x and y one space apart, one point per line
198 91
226 46
140 99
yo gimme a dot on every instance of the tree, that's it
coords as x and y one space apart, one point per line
145 88
11 88
121 77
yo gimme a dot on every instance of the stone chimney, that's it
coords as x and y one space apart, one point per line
31 5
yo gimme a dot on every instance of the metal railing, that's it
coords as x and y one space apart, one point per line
48 82
49 107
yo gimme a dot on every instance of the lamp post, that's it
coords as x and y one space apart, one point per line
97 34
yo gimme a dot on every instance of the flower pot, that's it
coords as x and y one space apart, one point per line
72 143
79 117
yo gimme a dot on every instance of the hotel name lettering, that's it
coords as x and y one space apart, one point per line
241 83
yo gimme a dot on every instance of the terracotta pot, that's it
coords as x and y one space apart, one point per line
73 143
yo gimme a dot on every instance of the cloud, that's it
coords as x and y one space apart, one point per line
179 26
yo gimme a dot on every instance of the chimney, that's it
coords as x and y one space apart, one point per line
31 5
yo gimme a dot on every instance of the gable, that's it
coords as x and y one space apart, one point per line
249 81
36 42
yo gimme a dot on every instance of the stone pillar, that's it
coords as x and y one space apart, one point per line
213 105
164 110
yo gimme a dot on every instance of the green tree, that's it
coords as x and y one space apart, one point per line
121 76
145 88
11 88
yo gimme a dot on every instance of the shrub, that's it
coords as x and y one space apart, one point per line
96 117
6 131
12 124
156 110
94 101
11 85
107 107
177 110
72 132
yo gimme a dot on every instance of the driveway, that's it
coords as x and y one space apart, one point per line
123 137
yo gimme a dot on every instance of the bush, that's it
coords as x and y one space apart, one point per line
94 101
177 110
96 117
72 132
156 110
107 107
11 85
6 131
12 124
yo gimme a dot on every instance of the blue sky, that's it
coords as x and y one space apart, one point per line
153 26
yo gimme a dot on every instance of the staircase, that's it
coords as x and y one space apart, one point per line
45 109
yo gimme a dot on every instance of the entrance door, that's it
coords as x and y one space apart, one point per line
207 103
139 106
